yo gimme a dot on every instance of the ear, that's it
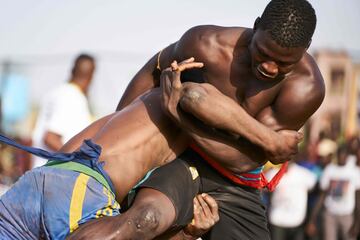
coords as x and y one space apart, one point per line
256 23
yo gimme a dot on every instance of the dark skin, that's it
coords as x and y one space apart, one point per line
149 140
230 57
279 87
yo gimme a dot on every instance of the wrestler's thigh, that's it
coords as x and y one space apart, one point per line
242 213
179 183
229 228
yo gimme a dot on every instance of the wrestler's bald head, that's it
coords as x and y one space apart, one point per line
291 23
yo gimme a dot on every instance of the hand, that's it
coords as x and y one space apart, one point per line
205 216
286 147
310 229
171 86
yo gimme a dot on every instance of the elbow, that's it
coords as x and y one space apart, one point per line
194 97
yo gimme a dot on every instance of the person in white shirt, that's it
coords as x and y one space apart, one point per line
339 184
64 111
354 145
289 202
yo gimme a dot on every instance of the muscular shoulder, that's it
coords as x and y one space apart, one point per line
307 79
207 41
302 93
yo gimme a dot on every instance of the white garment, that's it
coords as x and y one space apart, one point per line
64 111
342 182
351 160
289 200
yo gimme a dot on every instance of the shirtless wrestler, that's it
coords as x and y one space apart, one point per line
75 187
268 73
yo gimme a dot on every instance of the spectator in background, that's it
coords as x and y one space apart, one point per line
354 145
338 184
64 111
326 150
289 202
321 154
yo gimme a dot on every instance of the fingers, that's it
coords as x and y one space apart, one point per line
186 64
174 66
212 204
171 86
197 212
205 215
205 210
204 206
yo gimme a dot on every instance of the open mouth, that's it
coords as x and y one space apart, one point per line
260 70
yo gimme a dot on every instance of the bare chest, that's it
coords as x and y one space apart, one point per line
249 92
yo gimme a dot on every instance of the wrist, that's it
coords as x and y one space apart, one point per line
187 235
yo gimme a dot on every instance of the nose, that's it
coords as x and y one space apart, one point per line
270 67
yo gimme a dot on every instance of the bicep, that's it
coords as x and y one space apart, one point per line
291 109
278 120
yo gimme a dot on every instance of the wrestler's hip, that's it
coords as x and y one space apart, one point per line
53 202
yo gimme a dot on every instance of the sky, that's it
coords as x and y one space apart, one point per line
42 37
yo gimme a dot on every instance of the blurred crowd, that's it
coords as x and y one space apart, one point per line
318 197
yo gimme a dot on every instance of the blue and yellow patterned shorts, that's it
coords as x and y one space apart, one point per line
51 202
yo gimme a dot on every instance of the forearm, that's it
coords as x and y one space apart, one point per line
236 155
221 112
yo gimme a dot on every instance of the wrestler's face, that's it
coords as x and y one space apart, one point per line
270 61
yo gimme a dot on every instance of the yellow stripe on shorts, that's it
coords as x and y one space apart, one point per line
77 201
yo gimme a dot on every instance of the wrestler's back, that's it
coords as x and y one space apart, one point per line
137 139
